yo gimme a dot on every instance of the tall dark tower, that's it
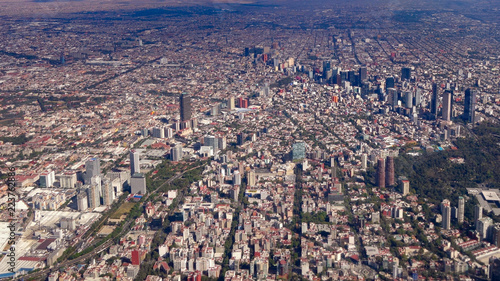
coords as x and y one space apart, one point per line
405 73
185 107
362 74
469 105
434 100
389 173
381 173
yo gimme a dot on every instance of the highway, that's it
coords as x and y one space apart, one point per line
41 275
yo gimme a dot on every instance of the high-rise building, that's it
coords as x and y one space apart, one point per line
236 178
251 178
81 201
211 141
92 168
231 103
138 184
176 153
299 150
470 105
393 97
484 227
381 173
134 162
461 206
47 179
108 194
240 138
185 106
478 214
434 100
389 82
405 73
362 74
364 160
446 114
389 175
93 196
496 235
409 99
404 186
446 214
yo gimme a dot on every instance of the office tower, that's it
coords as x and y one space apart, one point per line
108 194
251 178
362 74
469 105
446 114
138 184
404 186
461 205
92 168
393 97
446 213
434 100
236 178
185 106
47 179
298 150
211 141
418 97
240 138
405 73
176 153
478 214
215 110
389 82
381 173
134 162
81 201
409 99
231 103
496 235
483 227
222 142
168 132
389 175
364 161
93 196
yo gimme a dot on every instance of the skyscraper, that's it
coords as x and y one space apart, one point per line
93 197
176 153
138 184
434 100
393 97
299 150
134 162
108 194
389 82
461 205
92 168
362 74
212 142
478 214
404 186
446 114
185 106
381 173
389 175
469 105
446 213
405 73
